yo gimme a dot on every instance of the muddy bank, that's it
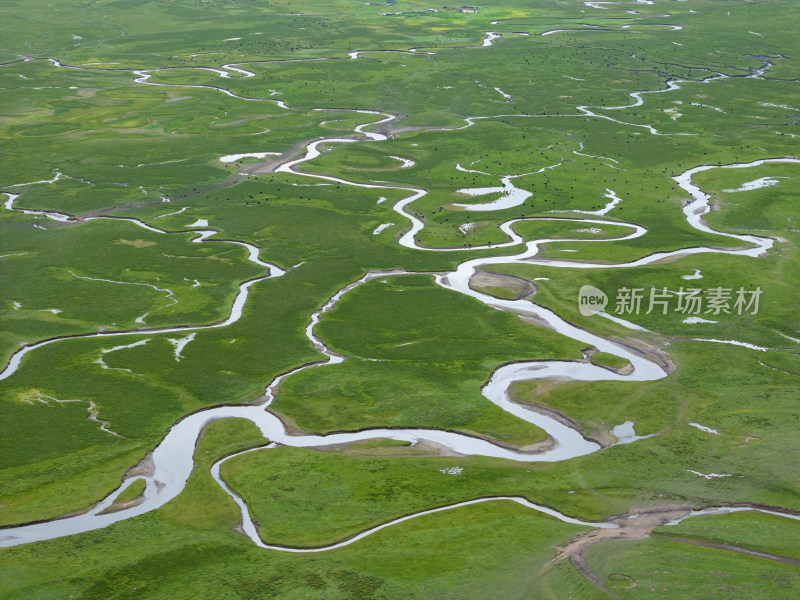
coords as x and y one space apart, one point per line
521 289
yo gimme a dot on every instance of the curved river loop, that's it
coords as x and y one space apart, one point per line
172 459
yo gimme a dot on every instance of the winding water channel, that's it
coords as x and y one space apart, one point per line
172 460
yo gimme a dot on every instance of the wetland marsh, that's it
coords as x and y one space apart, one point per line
343 353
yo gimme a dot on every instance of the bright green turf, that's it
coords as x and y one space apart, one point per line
123 146
189 548
427 372
753 530
665 569
606 359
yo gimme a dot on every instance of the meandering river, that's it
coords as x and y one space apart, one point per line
172 461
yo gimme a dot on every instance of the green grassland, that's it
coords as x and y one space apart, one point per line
427 372
132 492
323 498
665 569
606 359
53 268
416 354
765 212
755 418
189 548
753 530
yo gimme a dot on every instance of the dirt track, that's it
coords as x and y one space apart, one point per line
638 524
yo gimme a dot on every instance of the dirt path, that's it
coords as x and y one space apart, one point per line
635 525
638 524
731 548
580 564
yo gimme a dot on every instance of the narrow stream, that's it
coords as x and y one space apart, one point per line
172 459
236 307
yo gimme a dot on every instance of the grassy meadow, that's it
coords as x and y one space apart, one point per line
130 110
